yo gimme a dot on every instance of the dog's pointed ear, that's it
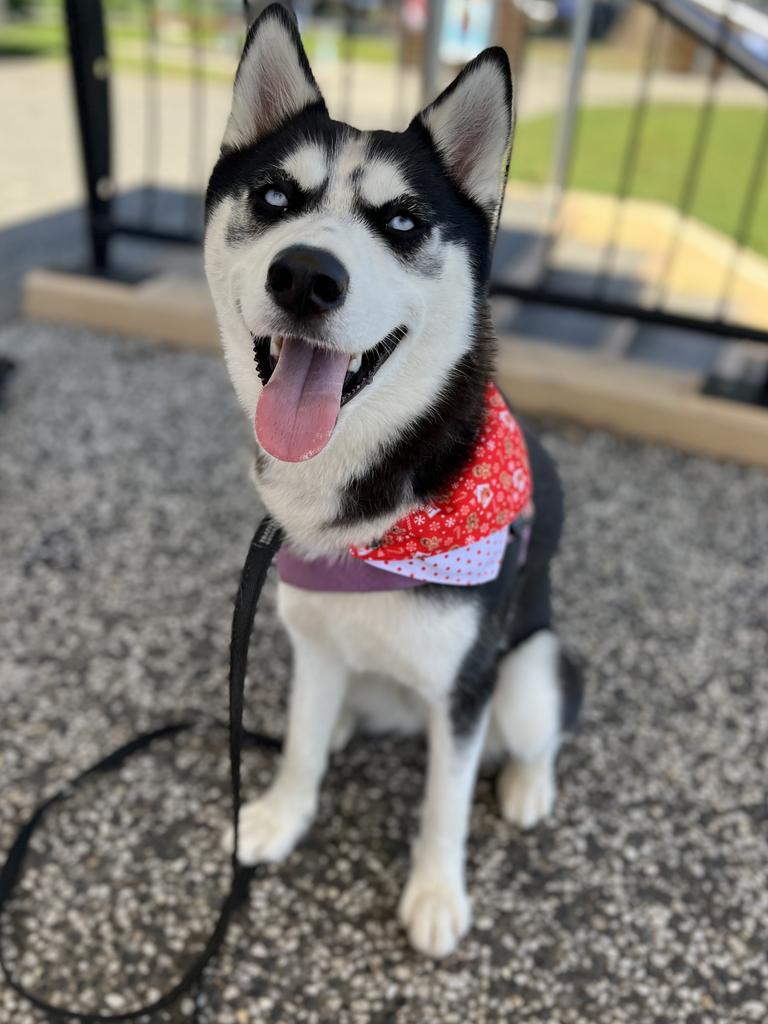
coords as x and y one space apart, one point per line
471 125
274 81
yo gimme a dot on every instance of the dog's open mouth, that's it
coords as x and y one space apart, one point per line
305 387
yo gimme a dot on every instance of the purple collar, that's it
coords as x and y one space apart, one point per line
348 575
344 575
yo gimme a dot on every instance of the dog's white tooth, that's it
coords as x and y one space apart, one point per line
355 362
274 347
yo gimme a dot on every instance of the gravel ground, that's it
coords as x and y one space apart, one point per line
125 512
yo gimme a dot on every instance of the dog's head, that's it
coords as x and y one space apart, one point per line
349 268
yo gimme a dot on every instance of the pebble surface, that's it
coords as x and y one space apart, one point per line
125 512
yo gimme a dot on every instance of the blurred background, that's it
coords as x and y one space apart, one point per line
636 218
630 295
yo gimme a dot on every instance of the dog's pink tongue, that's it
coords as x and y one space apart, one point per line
297 409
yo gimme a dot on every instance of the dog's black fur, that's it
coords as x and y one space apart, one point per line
427 456
410 218
517 604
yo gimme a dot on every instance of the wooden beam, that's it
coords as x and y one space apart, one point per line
631 399
595 389
175 310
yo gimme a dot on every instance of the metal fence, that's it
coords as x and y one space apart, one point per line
210 34
723 44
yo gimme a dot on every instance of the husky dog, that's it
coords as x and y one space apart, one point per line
349 272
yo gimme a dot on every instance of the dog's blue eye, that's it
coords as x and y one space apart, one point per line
401 222
275 197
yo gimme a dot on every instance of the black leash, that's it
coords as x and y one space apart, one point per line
264 545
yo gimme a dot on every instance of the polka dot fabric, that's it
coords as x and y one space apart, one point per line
462 537
475 563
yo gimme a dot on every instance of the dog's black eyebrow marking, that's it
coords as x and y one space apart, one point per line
236 170
254 221
461 220
278 177
405 201
407 247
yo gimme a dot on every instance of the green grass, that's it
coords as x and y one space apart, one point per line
47 39
666 144
32 39
374 49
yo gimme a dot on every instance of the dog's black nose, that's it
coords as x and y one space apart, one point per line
306 281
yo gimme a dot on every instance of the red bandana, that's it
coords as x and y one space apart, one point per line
489 493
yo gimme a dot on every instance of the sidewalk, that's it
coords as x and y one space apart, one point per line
40 159
694 279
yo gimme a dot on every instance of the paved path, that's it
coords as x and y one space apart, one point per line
40 165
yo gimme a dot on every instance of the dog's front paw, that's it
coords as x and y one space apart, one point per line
270 828
435 912
527 792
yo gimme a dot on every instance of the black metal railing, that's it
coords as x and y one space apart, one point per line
721 42
592 290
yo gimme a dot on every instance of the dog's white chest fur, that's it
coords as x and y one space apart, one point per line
417 642
329 244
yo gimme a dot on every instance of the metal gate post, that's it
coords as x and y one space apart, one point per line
90 74
430 72
579 41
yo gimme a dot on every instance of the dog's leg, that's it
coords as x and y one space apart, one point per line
271 826
537 695
343 730
435 908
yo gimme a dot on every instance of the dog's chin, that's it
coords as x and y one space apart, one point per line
361 371
305 386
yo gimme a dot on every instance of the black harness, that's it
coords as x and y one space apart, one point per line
264 545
